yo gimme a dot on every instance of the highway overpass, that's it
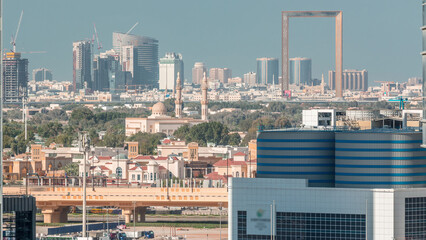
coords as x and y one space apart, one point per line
55 202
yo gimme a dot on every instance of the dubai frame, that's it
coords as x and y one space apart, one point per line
286 15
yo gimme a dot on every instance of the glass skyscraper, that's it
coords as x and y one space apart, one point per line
300 71
267 71
139 56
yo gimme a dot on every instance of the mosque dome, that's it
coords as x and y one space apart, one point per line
159 109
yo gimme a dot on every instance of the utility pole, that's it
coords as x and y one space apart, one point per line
168 179
118 165
134 219
1 118
84 146
220 221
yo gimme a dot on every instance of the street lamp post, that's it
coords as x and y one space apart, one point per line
118 165
84 146
134 220
220 221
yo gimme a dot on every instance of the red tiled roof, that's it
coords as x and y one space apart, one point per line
224 163
167 141
103 168
133 168
161 158
141 157
104 157
216 176
239 154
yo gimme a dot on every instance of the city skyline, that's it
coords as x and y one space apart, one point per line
236 42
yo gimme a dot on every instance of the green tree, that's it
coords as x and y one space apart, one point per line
204 133
234 139
82 118
182 132
50 129
147 142
71 169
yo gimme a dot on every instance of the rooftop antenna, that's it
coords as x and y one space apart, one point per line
13 42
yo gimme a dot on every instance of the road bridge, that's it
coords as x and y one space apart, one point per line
55 202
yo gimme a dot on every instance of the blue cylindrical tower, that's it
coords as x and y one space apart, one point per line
368 159
298 154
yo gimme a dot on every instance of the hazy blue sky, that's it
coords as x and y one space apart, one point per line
382 36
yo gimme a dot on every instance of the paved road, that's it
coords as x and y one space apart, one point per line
149 218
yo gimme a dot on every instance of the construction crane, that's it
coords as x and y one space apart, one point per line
97 38
131 28
121 41
13 42
401 101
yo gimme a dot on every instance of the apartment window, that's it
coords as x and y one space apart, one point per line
309 226
139 177
415 218
133 176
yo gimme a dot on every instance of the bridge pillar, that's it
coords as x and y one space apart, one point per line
55 214
127 213
140 214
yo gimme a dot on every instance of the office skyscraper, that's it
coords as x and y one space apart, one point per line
15 77
42 74
267 70
198 72
352 80
170 66
82 65
139 56
108 73
221 74
300 71
250 78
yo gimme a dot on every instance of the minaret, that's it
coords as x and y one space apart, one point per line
178 101
204 100
322 85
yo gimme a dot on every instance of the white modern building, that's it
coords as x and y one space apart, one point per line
319 118
170 66
250 78
301 212
198 72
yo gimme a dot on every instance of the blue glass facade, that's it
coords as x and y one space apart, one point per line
352 159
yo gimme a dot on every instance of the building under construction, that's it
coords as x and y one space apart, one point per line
15 77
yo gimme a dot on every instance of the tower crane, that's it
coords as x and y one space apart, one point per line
121 41
13 42
97 38
401 101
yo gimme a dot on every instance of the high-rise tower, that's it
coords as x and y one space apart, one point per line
204 100
15 77
82 64
267 71
197 72
41 74
178 101
170 66
139 56
300 71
